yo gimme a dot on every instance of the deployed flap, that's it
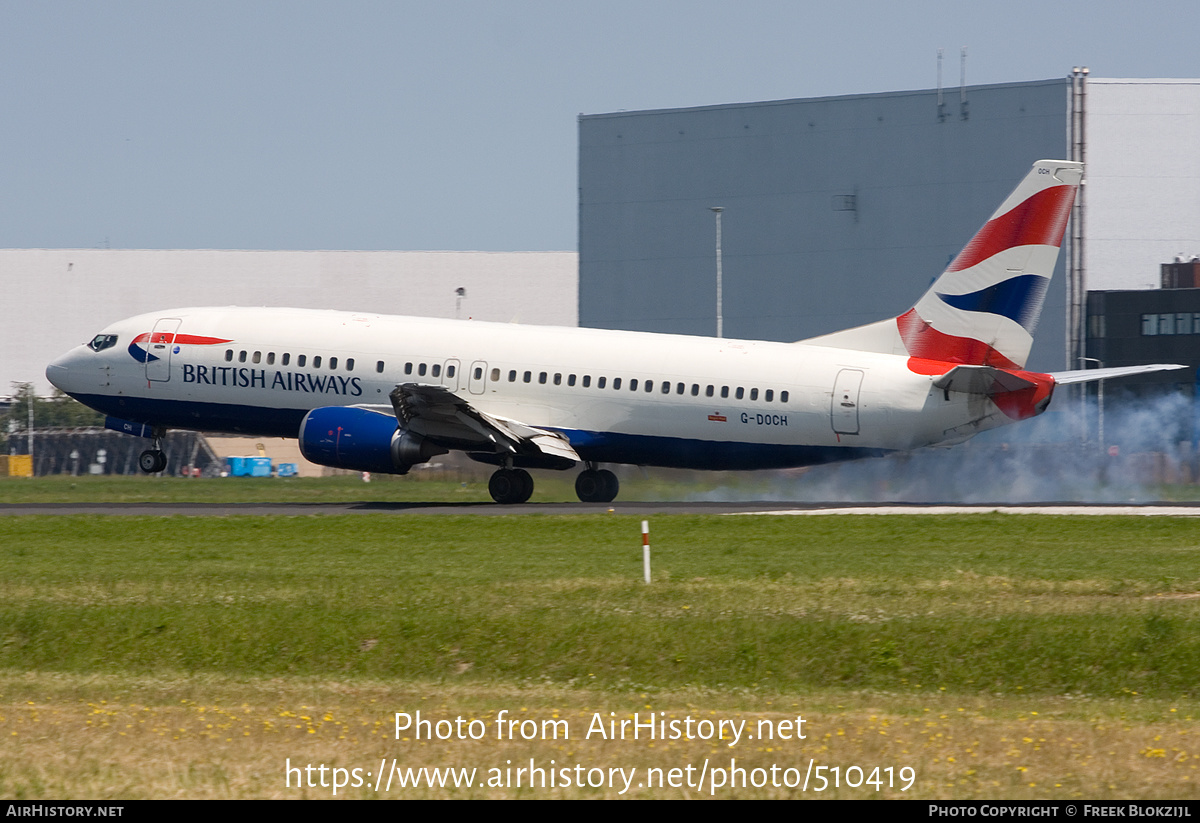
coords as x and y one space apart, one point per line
981 380
445 418
1088 375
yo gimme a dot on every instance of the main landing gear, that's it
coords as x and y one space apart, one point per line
512 486
594 486
152 460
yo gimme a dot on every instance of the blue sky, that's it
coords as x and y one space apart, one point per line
304 124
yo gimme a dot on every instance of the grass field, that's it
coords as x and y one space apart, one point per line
995 656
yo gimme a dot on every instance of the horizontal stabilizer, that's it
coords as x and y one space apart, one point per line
1063 378
982 380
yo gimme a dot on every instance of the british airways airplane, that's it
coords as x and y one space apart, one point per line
380 393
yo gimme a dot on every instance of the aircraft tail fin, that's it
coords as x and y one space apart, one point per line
985 306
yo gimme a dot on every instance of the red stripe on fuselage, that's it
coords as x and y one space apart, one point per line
1039 221
188 339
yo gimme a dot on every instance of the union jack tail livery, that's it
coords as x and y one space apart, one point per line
984 308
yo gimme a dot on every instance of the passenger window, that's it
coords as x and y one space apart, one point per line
666 388
528 376
241 357
437 370
649 386
256 357
557 379
570 380
679 388
301 360
740 393
600 381
724 391
754 394
379 366
512 375
542 378
587 380
332 363
350 364
270 358
633 384
407 368
695 390
317 362
783 397
421 369
770 395
229 355
287 358
495 374
478 373
616 383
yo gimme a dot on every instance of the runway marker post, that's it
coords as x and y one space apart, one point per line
646 550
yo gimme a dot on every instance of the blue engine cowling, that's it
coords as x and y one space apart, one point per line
361 440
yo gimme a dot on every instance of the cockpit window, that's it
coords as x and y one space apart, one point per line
102 341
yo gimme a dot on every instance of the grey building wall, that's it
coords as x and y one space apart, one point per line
796 264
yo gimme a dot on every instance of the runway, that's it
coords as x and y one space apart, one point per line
631 508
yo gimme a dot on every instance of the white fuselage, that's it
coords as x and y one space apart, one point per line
711 403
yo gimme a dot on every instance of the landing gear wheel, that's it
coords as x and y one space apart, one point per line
510 486
152 461
597 486
526 484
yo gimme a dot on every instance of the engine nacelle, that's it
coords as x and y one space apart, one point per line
361 440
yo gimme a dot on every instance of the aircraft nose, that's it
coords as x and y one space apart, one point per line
63 372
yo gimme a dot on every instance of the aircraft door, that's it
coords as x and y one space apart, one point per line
478 377
450 371
844 410
160 347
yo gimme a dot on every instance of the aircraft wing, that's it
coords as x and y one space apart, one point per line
1087 375
448 420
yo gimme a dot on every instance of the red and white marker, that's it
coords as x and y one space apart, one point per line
646 550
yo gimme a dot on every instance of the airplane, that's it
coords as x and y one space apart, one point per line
377 393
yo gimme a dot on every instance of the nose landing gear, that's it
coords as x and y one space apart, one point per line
152 460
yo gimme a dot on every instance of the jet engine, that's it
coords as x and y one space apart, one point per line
362 440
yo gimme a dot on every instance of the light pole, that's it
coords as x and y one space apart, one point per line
720 319
31 463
